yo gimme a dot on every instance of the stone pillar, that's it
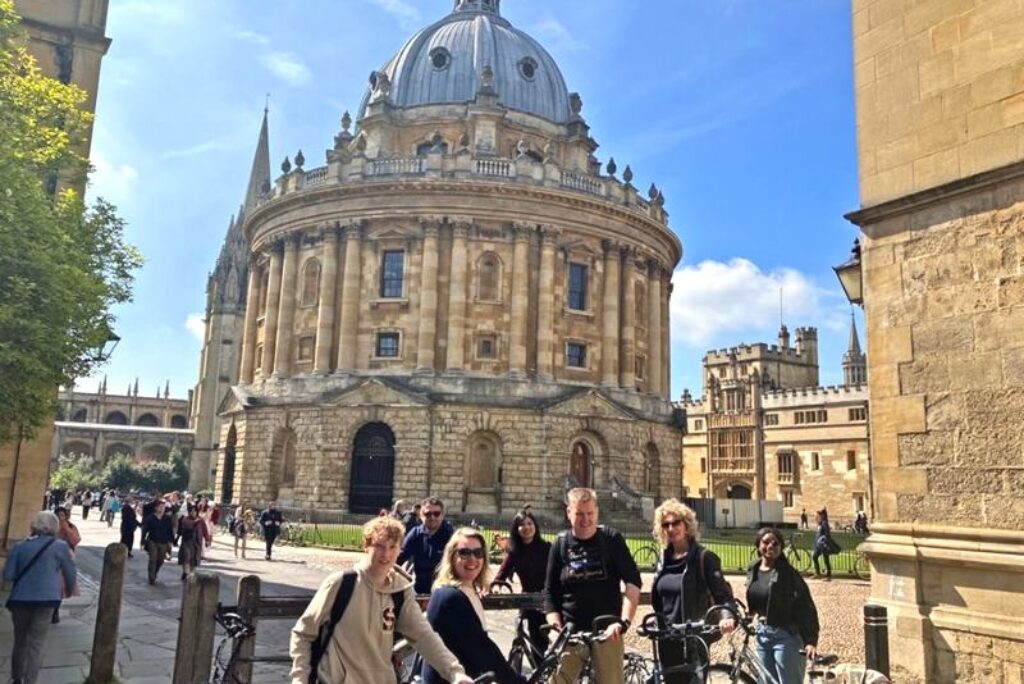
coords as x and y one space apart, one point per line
325 311
286 315
273 307
626 367
457 300
654 327
252 307
610 317
546 305
351 281
520 299
428 299
666 338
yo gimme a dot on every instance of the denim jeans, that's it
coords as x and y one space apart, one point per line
779 650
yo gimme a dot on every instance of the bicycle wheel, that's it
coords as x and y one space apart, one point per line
799 559
637 669
861 567
645 557
720 673
545 671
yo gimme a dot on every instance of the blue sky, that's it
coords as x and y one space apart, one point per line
740 110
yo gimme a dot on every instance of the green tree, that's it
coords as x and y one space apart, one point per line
62 266
121 473
75 472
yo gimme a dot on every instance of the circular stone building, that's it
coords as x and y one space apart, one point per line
459 303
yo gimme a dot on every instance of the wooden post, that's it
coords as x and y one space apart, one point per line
248 607
196 629
108 616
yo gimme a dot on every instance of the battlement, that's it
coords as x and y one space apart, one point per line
759 351
784 398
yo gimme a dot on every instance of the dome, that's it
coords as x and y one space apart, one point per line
442 63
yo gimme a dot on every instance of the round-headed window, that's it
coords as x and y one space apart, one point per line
440 58
528 68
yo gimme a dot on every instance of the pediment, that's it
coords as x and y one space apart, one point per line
235 400
591 403
376 392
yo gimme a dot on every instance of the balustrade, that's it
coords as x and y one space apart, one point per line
395 167
493 167
579 181
316 176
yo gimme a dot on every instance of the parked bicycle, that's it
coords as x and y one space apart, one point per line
692 635
799 558
647 555
228 659
635 667
861 566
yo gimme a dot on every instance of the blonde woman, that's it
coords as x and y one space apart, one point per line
687 579
456 613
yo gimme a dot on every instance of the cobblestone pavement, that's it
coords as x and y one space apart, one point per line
149 615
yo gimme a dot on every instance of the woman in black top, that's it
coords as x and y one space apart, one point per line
687 580
777 593
527 557
823 544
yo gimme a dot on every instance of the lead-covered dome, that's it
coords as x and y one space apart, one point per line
442 64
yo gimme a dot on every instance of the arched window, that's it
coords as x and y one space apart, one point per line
488 270
80 415
148 420
116 418
581 463
179 422
287 447
652 464
483 461
310 283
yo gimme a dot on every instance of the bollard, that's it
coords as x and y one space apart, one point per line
248 596
108 616
876 638
196 628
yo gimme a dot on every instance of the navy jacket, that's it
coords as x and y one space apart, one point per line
453 618
425 551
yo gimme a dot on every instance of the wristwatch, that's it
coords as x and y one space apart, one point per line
625 625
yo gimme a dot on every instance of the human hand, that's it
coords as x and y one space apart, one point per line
613 631
462 679
726 625
810 651
555 620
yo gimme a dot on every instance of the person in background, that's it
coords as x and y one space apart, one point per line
412 518
191 537
787 634
457 615
271 521
129 523
824 545
687 581
527 557
398 510
42 572
69 534
244 524
113 509
86 505
425 544
157 537
803 519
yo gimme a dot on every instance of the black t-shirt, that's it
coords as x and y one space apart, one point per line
757 591
584 581
670 588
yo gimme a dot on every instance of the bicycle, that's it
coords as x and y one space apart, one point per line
861 567
799 558
647 555
523 656
635 667
236 630
692 634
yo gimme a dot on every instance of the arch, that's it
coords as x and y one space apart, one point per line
483 460
179 421
116 418
489 269
227 483
738 490
148 420
159 453
584 453
284 451
76 448
310 282
371 482
117 449
80 415
651 478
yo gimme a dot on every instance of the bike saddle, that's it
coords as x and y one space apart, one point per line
826 659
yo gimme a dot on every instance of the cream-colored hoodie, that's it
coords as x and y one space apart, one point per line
360 648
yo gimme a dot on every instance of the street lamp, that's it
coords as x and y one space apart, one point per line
851 276
102 352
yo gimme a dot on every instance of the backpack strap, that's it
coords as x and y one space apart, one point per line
31 562
341 601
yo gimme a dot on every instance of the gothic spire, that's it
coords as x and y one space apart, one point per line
855 368
259 176
853 347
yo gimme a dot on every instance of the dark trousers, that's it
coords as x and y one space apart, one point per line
128 539
31 623
534 622
828 563
681 665
269 539
157 556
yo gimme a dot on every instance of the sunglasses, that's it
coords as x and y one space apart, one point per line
669 524
466 554
431 514
771 542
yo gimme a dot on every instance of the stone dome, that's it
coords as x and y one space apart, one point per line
442 63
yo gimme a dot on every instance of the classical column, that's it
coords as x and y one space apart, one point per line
654 327
325 311
666 338
546 305
520 299
286 315
348 337
626 367
610 317
273 307
457 300
428 299
252 307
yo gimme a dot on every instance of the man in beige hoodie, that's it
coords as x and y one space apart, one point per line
359 651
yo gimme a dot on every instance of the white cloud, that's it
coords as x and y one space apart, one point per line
406 13
288 67
252 37
112 181
556 36
195 324
714 298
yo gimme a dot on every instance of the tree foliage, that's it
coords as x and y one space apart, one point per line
62 266
77 471
121 473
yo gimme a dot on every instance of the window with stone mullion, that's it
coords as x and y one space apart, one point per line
392 274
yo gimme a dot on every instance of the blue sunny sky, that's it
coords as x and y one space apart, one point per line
741 111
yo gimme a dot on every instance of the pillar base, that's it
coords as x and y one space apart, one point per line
321 371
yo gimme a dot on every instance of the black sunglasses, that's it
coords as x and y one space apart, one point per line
470 553
669 524
431 514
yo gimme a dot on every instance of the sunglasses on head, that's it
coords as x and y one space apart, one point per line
669 524
470 553
431 514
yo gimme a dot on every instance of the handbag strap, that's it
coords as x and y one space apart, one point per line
24 570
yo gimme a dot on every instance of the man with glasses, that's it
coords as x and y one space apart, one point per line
424 545
591 573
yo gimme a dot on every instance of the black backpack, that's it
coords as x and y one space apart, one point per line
341 601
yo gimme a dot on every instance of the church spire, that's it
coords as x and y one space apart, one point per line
855 366
853 347
259 176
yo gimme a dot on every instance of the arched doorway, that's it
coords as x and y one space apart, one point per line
738 491
652 469
227 483
371 483
581 463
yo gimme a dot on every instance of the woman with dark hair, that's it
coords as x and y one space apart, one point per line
779 595
824 544
527 557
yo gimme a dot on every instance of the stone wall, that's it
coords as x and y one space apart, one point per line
24 473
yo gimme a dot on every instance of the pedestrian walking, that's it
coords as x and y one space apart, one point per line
129 523
86 505
157 537
271 521
824 544
787 632
192 535
42 572
69 534
803 519
425 544
243 524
